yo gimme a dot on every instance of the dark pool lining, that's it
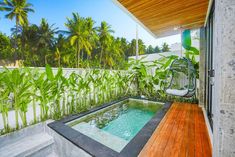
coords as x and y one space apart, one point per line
94 148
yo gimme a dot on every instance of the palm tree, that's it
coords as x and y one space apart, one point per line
150 49
45 38
46 34
18 10
125 46
165 47
132 47
157 49
58 56
104 38
78 35
116 53
27 35
92 35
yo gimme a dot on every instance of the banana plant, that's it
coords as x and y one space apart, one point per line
17 83
43 87
4 103
72 87
143 79
113 84
84 89
33 75
160 77
94 79
57 89
102 87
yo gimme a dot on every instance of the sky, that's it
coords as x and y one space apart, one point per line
56 12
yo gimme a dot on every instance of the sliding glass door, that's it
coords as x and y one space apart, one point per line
209 83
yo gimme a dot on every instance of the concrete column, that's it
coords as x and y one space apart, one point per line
202 67
224 97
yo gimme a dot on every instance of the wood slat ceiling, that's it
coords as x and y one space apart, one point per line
162 16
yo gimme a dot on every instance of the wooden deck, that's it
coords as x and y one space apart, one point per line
181 133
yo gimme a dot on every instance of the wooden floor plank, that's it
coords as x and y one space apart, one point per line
183 148
172 142
162 140
191 134
182 132
180 136
198 143
206 147
154 137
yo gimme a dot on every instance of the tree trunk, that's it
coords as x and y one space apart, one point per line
59 61
34 111
45 60
5 121
15 43
16 119
82 54
78 55
101 53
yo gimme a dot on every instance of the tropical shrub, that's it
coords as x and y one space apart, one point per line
191 52
16 82
58 95
55 94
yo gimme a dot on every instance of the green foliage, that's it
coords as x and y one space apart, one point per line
17 10
5 47
161 73
157 49
191 52
79 35
4 42
17 83
132 47
143 79
165 47
150 50
81 45
58 95
105 41
4 103
152 84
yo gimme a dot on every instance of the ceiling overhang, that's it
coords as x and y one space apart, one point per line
166 17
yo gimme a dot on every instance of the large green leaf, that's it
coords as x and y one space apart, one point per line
59 73
16 77
49 72
194 50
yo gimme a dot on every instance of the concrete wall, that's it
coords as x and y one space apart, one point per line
63 147
224 96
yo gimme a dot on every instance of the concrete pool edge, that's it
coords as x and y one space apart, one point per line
97 149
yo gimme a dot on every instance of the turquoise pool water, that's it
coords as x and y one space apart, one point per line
116 125
129 123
